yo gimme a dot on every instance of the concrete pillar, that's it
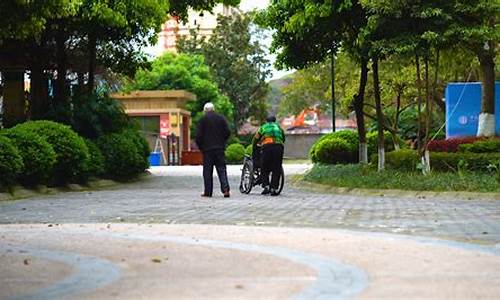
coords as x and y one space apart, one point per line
13 97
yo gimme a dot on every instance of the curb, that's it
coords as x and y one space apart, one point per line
19 192
299 183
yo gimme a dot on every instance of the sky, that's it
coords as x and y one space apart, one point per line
247 5
252 4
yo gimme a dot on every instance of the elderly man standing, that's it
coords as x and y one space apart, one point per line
212 135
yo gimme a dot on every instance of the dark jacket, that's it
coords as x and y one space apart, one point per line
212 132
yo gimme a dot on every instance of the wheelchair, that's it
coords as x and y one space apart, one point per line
251 171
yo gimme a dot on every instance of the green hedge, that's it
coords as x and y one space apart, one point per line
11 162
487 146
372 141
72 155
408 160
350 137
235 153
37 154
96 166
249 150
122 156
334 151
142 146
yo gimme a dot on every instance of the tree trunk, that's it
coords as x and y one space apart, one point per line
39 91
486 125
435 97
427 102
396 120
425 158
378 106
419 112
60 92
13 97
358 109
92 61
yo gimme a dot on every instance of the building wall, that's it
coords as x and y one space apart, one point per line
206 22
298 145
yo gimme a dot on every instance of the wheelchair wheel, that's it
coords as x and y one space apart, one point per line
282 180
246 182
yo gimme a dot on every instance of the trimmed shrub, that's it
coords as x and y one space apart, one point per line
334 151
351 137
372 141
451 145
403 160
96 167
11 162
407 160
443 161
249 150
122 158
486 146
235 153
141 144
38 155
72 155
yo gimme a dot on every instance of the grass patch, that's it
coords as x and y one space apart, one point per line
359 176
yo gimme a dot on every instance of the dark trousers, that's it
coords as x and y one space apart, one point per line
272 161
215 158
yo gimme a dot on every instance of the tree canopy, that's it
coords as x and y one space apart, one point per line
238 64
185 72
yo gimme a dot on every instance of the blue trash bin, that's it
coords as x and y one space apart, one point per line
155 159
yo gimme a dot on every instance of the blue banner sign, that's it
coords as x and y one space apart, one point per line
463 105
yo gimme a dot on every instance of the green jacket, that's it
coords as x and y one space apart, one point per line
269 133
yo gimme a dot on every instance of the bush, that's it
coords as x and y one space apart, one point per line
122 157
141 144
249 150
334 151
235 153
96 167
246 139
98 114
402 160
351 137
11 162
451 145
407 160
37 154
486 146
372 141
72 154
442 161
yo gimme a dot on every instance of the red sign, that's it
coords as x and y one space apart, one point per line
164 126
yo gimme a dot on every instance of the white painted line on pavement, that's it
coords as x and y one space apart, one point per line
91 272
334 280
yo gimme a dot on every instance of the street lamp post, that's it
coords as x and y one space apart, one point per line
333 88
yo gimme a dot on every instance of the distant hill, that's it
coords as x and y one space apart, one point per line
275 94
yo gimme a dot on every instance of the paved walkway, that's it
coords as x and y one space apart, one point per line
172 196
134 241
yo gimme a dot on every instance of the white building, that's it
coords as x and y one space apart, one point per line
174 28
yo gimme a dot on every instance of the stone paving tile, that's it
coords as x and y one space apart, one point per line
175 199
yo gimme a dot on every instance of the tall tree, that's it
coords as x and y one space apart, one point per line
307 32
62 39
239 64
475 25
185 72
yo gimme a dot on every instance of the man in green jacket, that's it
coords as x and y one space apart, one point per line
272 139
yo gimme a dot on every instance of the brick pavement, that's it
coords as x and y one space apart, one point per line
174 198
